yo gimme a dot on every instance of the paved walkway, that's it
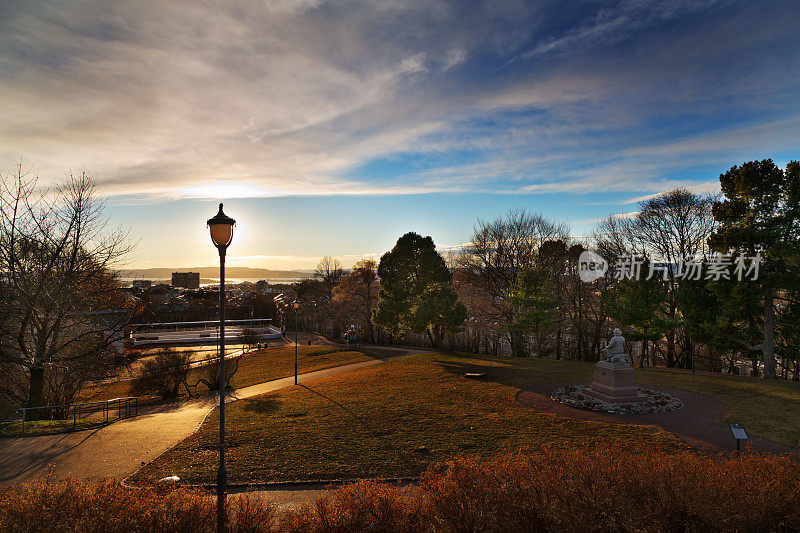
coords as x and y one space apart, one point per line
120 448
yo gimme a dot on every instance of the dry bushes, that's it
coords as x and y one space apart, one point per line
48 504
365 506
557 490
164 374
605 489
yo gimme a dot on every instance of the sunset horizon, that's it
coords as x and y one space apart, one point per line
307 118
316 266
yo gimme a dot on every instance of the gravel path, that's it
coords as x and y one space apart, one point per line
696 424
120 448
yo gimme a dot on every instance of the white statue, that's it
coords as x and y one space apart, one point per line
615 351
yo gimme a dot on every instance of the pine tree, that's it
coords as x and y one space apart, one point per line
760 214
416 294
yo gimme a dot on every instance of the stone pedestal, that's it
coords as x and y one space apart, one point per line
614 384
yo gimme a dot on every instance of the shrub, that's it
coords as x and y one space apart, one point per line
209 374
163 374
606 489
48 504
563 489
249 338
364 506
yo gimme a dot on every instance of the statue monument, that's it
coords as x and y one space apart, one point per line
615 350
613 378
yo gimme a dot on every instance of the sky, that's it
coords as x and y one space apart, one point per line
332 128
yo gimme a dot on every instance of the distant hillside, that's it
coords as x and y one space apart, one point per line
213 272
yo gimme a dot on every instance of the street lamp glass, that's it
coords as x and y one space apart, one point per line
221 234
221 227
296 304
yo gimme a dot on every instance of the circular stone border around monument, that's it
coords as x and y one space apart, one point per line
656 402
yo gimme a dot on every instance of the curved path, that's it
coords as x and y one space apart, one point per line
696 424
120 448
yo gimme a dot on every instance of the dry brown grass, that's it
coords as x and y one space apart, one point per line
391 420
255 367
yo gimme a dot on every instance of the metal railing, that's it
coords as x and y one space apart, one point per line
125 407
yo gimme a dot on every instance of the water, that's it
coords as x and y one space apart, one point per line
204 282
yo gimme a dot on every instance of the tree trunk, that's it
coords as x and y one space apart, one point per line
35 392
712 364
517 344
430 338
582 353
559 340
671 348
643 354
769 337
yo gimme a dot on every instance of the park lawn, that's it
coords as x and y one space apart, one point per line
393 420
767 408
255 367
47 427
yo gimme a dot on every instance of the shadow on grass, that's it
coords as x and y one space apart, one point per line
518 372
377 352
262 406
509 375
358 418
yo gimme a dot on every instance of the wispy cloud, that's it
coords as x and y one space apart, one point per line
287 98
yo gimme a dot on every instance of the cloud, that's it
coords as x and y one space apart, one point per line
286 98
709 187
620 22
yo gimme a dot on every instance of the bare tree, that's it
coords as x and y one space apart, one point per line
329 272
498 253
357 294
674 227
670 228
617 236
249 338
209 374
63 310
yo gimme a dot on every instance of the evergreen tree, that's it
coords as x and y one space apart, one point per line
534 295
416 294
760 214
636 305
705 317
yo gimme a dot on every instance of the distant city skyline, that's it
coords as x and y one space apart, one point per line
330 129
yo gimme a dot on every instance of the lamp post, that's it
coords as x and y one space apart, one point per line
221 227
296 305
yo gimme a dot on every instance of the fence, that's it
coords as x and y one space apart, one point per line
125 407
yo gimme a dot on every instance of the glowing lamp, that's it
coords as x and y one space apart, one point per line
221 227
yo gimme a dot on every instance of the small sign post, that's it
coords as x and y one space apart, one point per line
739 434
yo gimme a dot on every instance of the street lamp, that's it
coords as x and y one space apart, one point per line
221 227
296 305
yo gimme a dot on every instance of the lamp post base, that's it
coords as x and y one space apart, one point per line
222 488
